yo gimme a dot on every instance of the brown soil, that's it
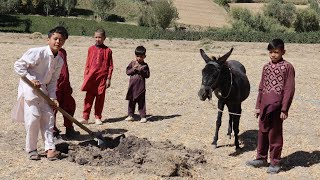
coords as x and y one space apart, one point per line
175 142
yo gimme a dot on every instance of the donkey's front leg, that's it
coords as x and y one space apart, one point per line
218 123
230 126
236 131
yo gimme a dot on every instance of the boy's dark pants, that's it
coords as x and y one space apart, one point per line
270 135
141 100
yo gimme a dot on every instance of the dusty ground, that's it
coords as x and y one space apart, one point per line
175 143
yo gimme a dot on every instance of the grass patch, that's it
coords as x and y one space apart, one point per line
30 24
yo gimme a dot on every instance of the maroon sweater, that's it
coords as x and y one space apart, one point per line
137 82
63 84
276 89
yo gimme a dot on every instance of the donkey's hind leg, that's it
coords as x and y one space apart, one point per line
218 123
235 112
236 121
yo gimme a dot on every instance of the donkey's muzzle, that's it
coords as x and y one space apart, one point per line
205 92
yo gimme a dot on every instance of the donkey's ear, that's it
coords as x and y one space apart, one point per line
223 59
204 56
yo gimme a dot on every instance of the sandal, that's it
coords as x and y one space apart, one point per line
33 155
53 155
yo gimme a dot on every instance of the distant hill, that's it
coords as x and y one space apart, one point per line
201 13
208 13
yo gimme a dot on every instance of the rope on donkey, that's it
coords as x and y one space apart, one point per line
210 102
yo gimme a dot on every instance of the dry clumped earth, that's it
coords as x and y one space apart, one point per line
175 142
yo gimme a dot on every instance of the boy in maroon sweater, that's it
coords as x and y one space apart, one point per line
64 94
65 99
138 70
276 91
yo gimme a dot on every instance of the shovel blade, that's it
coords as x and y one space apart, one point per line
102 143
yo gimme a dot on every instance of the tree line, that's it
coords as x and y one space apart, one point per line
157 14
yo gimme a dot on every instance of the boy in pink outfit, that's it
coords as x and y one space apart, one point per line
276 91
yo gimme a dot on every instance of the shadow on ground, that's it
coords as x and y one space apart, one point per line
112 120
86 137
300 158
249 140
152 118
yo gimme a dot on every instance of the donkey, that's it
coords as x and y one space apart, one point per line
231 86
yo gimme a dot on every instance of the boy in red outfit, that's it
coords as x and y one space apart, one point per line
276 91
64 97
97 77
138 70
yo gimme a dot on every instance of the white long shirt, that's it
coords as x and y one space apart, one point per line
37 64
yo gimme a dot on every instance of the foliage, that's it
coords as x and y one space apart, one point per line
307 20
69 5
164 12
296 2
128 9
101 8
284 13
313 4
223 3
47 7
7 6
159 13
116 30
241 14
147 17
246 21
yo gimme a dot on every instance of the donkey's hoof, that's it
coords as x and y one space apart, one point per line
214 145
238 149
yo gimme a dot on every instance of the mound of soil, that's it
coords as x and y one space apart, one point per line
160 158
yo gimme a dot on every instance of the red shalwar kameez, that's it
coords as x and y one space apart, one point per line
98 69
64 91
137 87
276 91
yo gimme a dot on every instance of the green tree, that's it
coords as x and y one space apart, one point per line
307 20
164 12
284 13
313 4
69 5
244 20
147 18
101 8
48 6
7 6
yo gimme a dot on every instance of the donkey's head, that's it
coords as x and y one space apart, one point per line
211 74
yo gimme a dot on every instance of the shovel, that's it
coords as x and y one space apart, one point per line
101 140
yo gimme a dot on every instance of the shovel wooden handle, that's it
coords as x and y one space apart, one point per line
44 96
